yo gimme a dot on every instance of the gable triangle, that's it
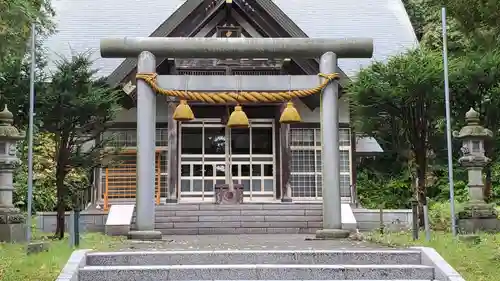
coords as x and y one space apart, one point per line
255 18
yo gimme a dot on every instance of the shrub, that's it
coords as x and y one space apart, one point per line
44 184
440 215
374 190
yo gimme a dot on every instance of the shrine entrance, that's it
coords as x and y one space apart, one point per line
202 155
235 91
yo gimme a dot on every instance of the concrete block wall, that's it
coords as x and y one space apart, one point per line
90 221
369 219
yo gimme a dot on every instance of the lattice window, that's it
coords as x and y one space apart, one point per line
163 159
121 176
201 72
121 138
306 163
258 72
127 138
203 159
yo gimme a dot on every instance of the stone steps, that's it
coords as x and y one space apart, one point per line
263 218
256 272
366 265
347 257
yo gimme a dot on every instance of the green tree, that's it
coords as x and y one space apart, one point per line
76 108
425 16
16 17
401 102
15 84
44 176
419 16
473 52
476 83
479 20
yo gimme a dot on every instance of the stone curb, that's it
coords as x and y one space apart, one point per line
75 262
443 270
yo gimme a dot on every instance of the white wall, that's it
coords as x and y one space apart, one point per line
309 116
131 114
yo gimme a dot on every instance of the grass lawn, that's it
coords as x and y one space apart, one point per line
15 265
479 262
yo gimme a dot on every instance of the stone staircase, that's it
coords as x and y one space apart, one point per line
257 265
257 218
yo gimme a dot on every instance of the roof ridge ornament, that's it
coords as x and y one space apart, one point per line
7 130
472 117
6 117
473 128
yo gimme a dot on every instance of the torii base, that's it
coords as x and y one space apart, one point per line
147 235
332 234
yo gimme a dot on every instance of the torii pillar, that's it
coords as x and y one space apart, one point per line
171 47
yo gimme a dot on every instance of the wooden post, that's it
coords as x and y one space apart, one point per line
172 165
277 148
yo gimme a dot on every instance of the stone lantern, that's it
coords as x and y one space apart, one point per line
477 214
12 227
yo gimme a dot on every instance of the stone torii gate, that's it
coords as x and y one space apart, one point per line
147 48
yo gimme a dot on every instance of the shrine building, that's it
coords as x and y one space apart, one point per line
271 161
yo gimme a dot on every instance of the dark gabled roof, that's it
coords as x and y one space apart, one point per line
192 15
82 24
288 26
166 29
